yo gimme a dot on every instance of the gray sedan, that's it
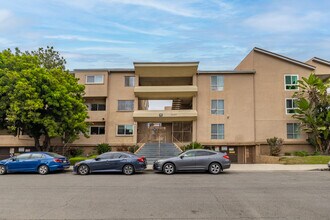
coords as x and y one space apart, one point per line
194 160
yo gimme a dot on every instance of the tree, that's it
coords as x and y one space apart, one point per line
41 97
313 111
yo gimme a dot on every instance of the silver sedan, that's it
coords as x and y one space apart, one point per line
194 160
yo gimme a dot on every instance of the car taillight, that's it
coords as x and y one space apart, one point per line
141 159
226 157
57 160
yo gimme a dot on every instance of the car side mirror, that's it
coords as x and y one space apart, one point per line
13 158
182 156
98 158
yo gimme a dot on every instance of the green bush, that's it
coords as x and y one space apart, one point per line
316 153
193 145
103 148
287 154
301 153
74 152
132 149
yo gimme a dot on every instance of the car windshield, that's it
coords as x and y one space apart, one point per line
53 154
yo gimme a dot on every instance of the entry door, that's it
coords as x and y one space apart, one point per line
249 154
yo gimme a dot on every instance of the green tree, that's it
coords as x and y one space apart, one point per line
40 97
313 111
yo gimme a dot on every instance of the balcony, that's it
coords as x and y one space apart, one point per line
164 115
96 116
165 92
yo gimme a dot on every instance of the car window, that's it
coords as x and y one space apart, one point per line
53 154
190 154
123 156
107 156
37 155
23 156
204 153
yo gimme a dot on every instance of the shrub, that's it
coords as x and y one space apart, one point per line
193 145
74 152
275 144
287 154
301 153
132 149
102 148
74 160
316 153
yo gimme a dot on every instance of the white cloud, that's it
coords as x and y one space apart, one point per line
88 39
156 32
284 20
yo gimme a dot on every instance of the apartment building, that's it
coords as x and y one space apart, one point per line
232 111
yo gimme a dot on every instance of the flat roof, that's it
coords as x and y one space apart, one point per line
284 58
226 72
319 60
168 64
105 70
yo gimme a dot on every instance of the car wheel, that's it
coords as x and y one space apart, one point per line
83 169
2 170
168 168
128 169
215 168
43 170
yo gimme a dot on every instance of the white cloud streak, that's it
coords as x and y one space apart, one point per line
87 39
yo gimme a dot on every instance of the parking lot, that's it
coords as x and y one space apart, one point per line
230 195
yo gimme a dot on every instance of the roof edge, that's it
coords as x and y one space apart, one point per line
193 63
226 72
319 60
284 58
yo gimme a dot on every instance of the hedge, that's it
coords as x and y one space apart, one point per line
75 160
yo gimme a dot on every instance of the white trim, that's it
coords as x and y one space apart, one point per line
92 83
291 84
286 112
223 87
218 109
124 135
298 134
164 64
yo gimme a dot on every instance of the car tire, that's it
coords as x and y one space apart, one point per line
169 168
215 168
43 169
3 170
128 169
83 169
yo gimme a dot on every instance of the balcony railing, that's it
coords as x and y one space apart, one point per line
164 115
168 92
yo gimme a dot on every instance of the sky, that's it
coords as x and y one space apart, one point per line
217 33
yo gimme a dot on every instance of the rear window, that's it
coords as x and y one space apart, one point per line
53 154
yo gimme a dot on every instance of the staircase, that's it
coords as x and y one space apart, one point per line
155 151
176 104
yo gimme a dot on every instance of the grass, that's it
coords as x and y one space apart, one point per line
321 159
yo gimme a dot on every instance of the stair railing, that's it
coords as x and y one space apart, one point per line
141 143
179 144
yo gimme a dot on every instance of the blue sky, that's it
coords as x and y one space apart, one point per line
114 33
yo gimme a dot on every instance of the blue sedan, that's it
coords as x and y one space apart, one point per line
41 162
124 162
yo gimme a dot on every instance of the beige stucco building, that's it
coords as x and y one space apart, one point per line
233 111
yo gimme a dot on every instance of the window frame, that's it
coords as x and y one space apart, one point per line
285 85
97 107
294 135
124 135
96 126
215 88
286 106
219 136
92 83
125 77
125 110
222 111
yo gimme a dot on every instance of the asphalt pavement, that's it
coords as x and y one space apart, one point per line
230 195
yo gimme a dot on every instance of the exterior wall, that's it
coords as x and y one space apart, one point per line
321 69
270 95
118 91
238 118
93 90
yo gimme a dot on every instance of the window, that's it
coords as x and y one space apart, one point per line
291 82
127 105
97 79
97 130
189 154
37 156
290 106
106 156
292 130
129 81
217 131
97 107
217 107
204 153
217 83
125 130
23 157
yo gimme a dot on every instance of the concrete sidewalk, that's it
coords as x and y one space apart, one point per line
272 167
